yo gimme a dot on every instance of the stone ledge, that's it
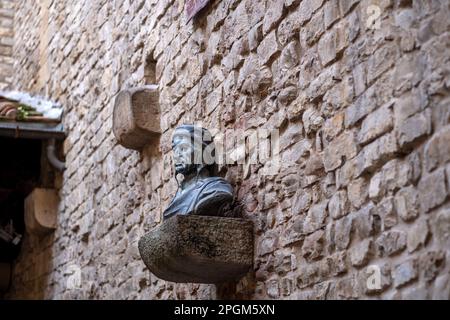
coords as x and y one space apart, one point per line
41 211
136 117
199 249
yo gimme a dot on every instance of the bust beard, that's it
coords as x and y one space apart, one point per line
186 169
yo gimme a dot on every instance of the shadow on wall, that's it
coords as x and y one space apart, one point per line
30 278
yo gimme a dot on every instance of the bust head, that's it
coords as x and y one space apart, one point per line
201 192
193 150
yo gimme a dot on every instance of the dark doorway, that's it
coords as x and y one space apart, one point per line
20 167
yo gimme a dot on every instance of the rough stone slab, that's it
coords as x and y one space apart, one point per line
199 249
136 118
41 209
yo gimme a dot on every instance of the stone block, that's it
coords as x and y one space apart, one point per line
387 212
273 14
313 30
343 232
199 249
360 253
331 12
268 47
432 190
313 246
381 61
376 124
315 219
358 192
338 205
414 128
431 263
405 272
442 228
407 204
437 149
417 235
346 5
376 153
136 118
342 148
41 209
327 48
391 242
442 288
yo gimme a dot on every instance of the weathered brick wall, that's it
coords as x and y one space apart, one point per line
6 42
358 89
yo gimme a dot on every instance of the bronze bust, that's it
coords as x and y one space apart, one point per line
200 192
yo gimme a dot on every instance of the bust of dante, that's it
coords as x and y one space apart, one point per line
200 192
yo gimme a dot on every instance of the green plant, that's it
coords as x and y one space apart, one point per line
24 111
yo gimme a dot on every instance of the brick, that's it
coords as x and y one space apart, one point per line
437 149
331 13
288 28
407 203
376 153
307 8
313 246
431 263
315 218
312 120
338 205
272 15
442 288
359 75
376 124
312 32
366 221
343 147
407 105
418 235
290 56
432 190
363 105
419 292
405 272
391 242
327 48
342 231
441 227
414 128
333 127
387 212
268 47
347 5
358 192
360 253
381 61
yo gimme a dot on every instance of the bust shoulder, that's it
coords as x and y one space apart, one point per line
214 194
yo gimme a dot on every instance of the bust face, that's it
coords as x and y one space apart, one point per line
183 154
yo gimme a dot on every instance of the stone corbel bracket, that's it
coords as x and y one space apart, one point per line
199 249
136 117
41 209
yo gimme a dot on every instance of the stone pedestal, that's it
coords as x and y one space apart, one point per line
136 117
199 249
41 209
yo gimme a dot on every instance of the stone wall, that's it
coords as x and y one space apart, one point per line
6 42
358 89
